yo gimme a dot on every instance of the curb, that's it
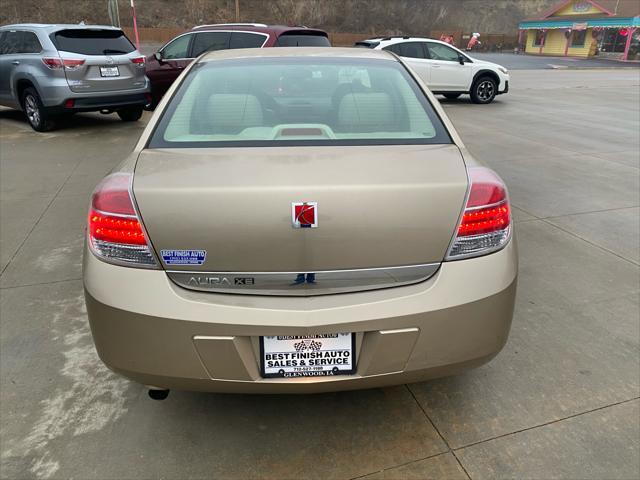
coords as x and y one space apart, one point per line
567 67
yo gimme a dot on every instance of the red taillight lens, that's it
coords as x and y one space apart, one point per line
112 195
115 231
52 63
72 64
486 221
138 60
68 63
110 228
486 188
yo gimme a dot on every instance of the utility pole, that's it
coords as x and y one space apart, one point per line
237 10
114 14
135 25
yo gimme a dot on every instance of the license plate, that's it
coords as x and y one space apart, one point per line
109 71
307 355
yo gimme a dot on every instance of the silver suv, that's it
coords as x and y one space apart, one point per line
53 70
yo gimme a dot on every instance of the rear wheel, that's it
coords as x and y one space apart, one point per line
452 96
35 111
130 114
484 90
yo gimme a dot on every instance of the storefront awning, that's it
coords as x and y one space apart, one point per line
593 22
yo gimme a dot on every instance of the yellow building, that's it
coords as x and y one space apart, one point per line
584 28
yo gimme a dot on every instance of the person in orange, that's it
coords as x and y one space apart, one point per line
447 39
473 41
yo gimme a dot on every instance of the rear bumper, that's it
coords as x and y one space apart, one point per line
56 92
109 102
156 333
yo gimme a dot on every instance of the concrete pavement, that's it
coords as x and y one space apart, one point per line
561 401
535 62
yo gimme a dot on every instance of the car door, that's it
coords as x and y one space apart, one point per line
415 55
9 42
174 58
209 41
447 73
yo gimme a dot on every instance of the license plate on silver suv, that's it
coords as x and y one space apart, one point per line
307 355
109 72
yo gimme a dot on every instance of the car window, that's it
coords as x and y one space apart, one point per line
407 49
92 42
208 41
300 100
29 43
9 43
302 40
178 48
366 44
247 40
437 51
395 48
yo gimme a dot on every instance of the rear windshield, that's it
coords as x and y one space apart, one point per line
92 42
298 101
302 40
366 44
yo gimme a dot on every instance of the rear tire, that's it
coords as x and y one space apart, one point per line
484 90
33 108
130 114
452 96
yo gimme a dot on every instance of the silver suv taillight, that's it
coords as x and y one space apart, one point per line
485 226
116 234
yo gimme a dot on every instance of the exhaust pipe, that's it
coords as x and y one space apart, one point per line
158 393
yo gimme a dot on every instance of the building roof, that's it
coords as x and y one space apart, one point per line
610 9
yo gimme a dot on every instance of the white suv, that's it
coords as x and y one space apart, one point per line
445 69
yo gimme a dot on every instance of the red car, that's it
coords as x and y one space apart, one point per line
164 66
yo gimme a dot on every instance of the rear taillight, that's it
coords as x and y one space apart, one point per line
72 64
68 63
115 231
486 221
52 63
138 61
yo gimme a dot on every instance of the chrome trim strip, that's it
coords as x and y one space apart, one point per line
324 282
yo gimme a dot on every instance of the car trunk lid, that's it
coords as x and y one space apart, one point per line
377 206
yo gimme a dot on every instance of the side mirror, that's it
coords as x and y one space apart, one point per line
158 57
461 59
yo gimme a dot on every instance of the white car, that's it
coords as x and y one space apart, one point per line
445 69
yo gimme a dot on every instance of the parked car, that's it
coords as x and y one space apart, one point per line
164 66
51 70
322 228
445 69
